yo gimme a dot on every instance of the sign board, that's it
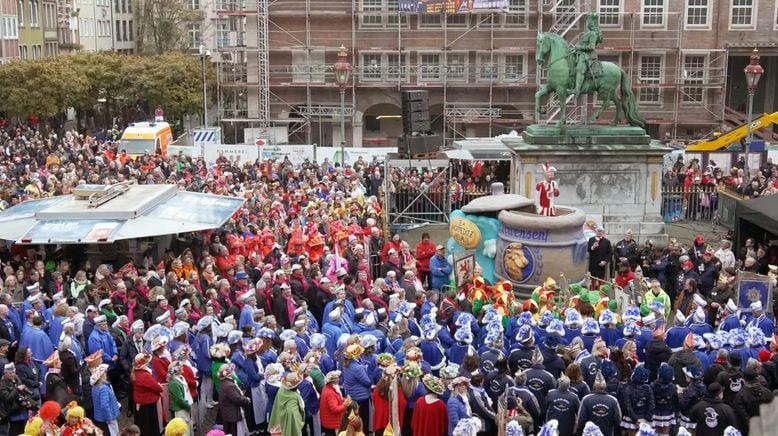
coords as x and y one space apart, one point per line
453 6
73 231
464 266
754 287
242 153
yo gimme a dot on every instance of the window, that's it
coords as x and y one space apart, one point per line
129 6
194 36
10 27
368 18
429 21
512 68
223 35
653 13
124 31
23 51
118 30
382 13
371 67
34 16
610 13
429 67
129 28
487 21
50 16
487 71
397 67
194 4
516 17
650 74
456 20
20 15
36 52
742 14
697 13
694 73
456 67
116 6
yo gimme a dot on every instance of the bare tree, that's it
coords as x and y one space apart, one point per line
163 25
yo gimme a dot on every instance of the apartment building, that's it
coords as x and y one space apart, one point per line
684 59
123 26
50 36
30 19
95 25
67 25
9 31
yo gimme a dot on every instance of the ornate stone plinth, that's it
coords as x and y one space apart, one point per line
615 172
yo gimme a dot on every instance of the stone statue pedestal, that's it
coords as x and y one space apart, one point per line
612 171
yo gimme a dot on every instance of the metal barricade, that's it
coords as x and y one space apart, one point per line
692 203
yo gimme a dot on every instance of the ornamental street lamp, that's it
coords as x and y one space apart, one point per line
203 55
753 72
342 74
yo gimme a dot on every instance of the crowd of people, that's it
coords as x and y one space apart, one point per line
302 316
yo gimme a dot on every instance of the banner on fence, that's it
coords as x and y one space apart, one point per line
453 6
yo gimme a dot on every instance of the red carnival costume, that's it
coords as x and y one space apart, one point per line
548 190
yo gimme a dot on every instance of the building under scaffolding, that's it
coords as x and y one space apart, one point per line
276 57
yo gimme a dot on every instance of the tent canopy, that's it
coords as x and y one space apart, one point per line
760 211
138 211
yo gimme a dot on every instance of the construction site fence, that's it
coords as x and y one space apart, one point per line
690 203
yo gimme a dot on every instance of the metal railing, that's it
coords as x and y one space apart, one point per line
693 203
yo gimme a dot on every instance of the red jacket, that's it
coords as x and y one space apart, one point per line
160 366
191 380
331 408
146 390
424 251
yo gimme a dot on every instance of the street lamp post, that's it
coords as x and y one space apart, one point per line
204 53
342 73
753 72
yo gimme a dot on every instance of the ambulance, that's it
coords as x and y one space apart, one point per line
147 137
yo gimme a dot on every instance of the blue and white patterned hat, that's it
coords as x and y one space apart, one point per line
646 430
657 306
492 336
287 335
524 335
591 429
495 324
556 327
632 313
590 327
550 428
429 328
737 338
467 426
755 337
732 431
464 335
545 319
607 318
464 318
513 429
490 315
525 318
572 318
699 342
713 340
630 329
406 309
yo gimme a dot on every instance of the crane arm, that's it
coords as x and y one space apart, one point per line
735 135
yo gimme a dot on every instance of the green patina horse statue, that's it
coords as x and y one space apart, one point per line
561 79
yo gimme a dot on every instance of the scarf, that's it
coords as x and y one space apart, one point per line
187 395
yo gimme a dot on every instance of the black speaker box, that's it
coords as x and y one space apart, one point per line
415 145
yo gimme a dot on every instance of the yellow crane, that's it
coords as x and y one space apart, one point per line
734 135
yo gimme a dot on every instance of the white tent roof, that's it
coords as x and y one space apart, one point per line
141 211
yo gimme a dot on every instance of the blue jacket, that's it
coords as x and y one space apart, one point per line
440 270
202 345
106 407
246 369
332 332
675 336
457 411
356 383
310 398
103 340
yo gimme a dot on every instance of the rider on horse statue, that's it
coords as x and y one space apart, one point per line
585 52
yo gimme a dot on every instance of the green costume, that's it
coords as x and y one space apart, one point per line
288 412
177 388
